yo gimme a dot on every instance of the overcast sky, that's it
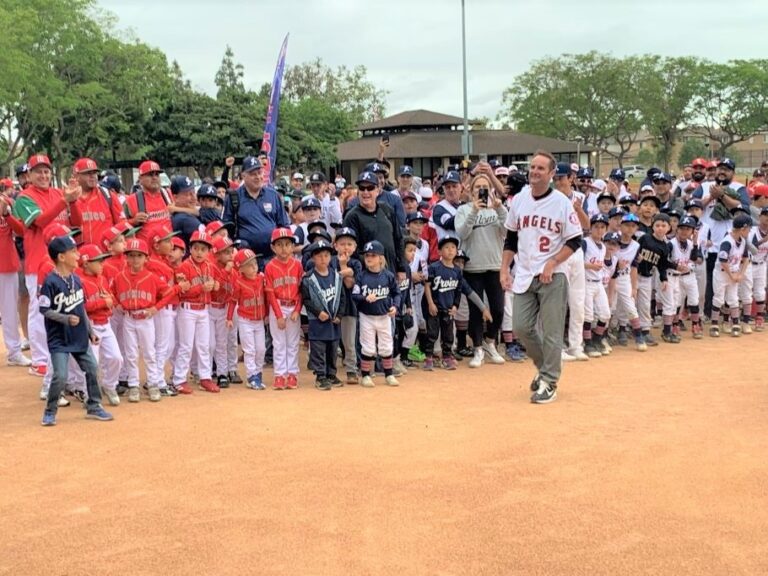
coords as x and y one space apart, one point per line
412 48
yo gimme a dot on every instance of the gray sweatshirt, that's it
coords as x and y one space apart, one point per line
482 236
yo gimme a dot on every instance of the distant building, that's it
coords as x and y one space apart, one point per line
430 142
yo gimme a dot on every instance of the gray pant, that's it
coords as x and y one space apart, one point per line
349 338
544 305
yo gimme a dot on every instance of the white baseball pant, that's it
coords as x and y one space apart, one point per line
596 306
194 335
108 355
38 342
412 333
9 311
669 297
117 321
759 272
165 323
232 344
746 288
701 282
372 327
644 292
576 294
724 291
253 341
509 302
626 307
688 294
139 339
217 318
285 343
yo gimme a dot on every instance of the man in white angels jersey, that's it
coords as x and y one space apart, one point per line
543 232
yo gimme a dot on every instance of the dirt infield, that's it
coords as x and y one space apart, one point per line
647 464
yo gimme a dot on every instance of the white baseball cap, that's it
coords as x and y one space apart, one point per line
425 193
297 176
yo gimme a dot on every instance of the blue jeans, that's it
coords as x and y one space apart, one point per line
87 363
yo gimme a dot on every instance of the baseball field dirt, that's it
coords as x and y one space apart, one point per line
648 463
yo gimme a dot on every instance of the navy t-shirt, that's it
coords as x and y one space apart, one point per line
383 285
447 285
66 296
326 331
186 225
256 217
208 215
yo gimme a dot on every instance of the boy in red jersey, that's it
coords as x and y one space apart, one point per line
248 297
192 317
223 252
98 306
283 276
140 294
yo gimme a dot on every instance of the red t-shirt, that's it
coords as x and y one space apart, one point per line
156 207
283 283
97 216
140 290
196 274
248 297
94 288
226 279
9 258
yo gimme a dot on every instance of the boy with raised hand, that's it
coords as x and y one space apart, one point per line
68 331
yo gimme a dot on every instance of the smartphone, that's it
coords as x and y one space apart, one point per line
385 139
482 195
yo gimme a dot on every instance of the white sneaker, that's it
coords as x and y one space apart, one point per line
367 382
112 397
491 353
154 394
19 359
566 357
63 401
24 344
477 359
392 381
43 392
398 369
579 355
134 394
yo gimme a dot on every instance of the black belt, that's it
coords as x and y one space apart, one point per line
679 273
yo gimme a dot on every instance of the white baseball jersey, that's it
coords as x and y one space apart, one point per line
609 268
543 226
626 256
681 254
755 238
732 252
594 253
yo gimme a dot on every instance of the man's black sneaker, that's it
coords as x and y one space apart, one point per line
323 384
466 352
544 393
335 382
222 382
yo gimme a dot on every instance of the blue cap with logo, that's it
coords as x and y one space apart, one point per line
405 170
452 176
630 218
181 184
599 219
616 211
376 168
446 239
727 163
374 247
461 255
207 191
612 237
311 202
662 177
251 163
346 231
317 178
59 245
415 217
693 203
617 174
584 173
562 169
367 177
320 246
687 222
112 182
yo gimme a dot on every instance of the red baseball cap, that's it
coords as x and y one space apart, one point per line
201 237
149 166
243 257
699 162
6 183
91 253
163 233
178 243
760 190
38 160
120 229
221 243
137 245
279 233
85 165
57 229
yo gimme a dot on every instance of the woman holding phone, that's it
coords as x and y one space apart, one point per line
480 227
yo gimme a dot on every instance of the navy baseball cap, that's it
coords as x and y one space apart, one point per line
687 222
742 221
251 163
461 255
22 169
617 174
374 247
346 231
662 177
405 170
59 245
319 236
693 203
367 177
655 199
612 237
562 169
727 163
311 202
181 184
627 200
414 217
630 219
317 178
606 196
598 219
584 173
320 246
674 214
452 176
651 171
111 182
207 191
448 238
376 168
616 211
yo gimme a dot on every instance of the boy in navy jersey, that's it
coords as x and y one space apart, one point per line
62 304
377 297
323 296
442 294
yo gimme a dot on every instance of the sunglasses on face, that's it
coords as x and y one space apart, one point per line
367 188
585 180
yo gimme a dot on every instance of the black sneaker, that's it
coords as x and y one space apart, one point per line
668 338
234 378
323 384
466 352
408 363
544 394
622 339
335 382
169 391
650 340
535 383
122 387
222 382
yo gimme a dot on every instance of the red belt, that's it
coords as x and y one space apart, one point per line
172 307
136 314
99 322
217 305
193 306
286 302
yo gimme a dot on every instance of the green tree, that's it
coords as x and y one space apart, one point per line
349 90
229 78
692 148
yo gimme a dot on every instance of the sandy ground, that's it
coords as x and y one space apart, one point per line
647 464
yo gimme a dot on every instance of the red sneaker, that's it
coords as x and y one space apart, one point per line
40 370
293 382
184 388
279 383
208 385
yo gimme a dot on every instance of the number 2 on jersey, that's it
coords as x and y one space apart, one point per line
544 243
